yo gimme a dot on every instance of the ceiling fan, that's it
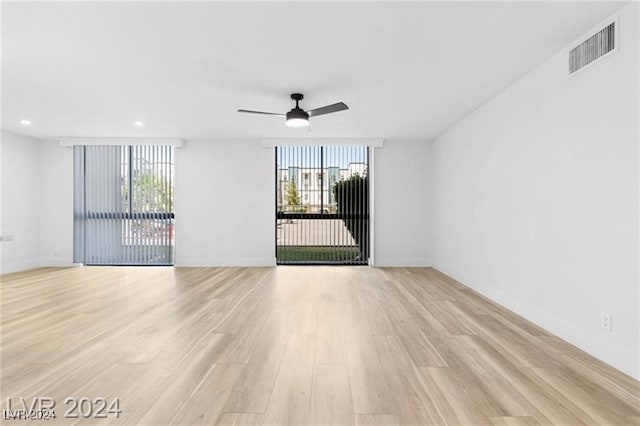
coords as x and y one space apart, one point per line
298 117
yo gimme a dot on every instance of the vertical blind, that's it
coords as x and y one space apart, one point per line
123 205
322 205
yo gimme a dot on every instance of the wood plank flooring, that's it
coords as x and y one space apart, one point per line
293 345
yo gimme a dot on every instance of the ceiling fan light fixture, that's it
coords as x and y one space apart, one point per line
297 122
297 118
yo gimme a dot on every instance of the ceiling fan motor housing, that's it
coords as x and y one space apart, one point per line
298 113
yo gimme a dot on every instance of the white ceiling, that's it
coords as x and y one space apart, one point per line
405 69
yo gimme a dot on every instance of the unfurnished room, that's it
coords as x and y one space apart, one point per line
320 212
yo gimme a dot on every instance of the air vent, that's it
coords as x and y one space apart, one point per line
595 47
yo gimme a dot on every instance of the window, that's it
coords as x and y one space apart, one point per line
123 205
325 218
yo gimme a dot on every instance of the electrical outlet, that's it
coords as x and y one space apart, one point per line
606 321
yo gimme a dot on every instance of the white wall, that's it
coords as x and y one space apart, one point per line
225 204
239 230
401 198
535 200
20 203
37 203
56 200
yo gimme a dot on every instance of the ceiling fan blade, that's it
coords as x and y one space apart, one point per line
260 112
340 106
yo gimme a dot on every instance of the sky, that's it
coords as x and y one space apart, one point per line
310 156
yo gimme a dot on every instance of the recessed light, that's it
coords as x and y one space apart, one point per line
25 122
138 124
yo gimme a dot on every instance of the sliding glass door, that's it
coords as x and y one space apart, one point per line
123 205
322 205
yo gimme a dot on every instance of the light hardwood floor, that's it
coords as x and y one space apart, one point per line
294 345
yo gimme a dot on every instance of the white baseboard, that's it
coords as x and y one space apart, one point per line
56 262
222 261
19 266
558 326
402 263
